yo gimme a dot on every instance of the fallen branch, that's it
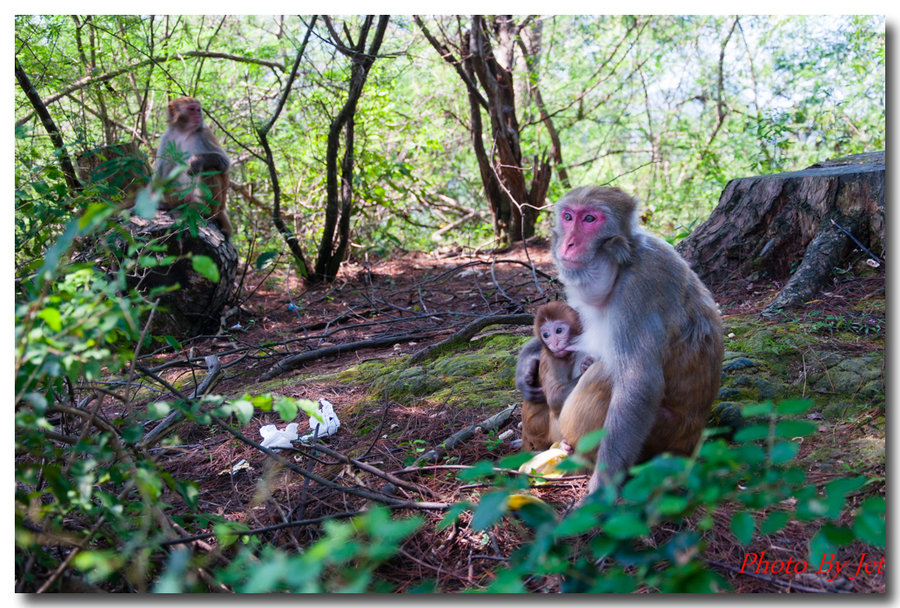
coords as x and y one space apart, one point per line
467 332
362 466
495 422
294 361
214 367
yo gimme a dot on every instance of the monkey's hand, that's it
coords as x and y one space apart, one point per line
206 161
528 381
586 363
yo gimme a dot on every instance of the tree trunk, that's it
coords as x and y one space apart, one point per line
766 226
196 306
514 205
339 202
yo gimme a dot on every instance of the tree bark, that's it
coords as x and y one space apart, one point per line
196 306
65 161
792 226
339 202
489 83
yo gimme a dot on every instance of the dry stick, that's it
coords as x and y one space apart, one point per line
468 332
496 421
254 531
768 579
412 487
294 361
496 470
215 369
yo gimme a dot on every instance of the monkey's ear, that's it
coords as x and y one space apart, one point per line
619 249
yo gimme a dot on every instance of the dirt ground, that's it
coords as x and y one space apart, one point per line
412 301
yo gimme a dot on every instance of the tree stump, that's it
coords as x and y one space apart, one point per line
196 306
792 226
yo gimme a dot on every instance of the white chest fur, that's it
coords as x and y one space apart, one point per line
597 334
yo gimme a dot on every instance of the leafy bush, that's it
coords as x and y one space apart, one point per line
756 474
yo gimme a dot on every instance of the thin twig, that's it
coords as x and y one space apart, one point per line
467 332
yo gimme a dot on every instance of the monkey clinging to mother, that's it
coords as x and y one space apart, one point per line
651 337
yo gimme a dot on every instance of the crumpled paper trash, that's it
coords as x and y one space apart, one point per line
275 438
325 427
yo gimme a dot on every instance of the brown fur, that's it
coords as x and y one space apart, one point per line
188 140
540 421
650 324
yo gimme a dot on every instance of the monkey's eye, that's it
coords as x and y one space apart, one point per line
546 334
590 219
559 330
567 216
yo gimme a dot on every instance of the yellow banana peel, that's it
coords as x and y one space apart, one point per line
544 464
517 501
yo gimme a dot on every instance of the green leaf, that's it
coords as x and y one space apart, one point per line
158 409
287 408
757 409
774 522
514 461
492 507
869 524
173 579
672 505
133 433
189 492
751 433
625 525
580 521
784 451
453 514
794 428
482 468
243 410
793 406
52 317
590 441
146 203
264 257
844 485
173 342
743 527
205 266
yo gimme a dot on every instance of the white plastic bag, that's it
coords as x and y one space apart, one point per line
275 438
327 426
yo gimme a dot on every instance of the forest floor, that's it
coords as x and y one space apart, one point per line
388 418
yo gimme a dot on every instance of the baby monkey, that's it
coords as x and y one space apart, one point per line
557 327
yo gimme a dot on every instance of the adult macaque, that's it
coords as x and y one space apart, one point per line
190 142
556 326
648 322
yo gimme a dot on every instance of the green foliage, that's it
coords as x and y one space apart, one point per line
711 97
756 479
342 561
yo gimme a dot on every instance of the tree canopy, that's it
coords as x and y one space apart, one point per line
667 107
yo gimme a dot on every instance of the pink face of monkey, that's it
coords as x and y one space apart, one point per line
185 113
556 335
578 226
